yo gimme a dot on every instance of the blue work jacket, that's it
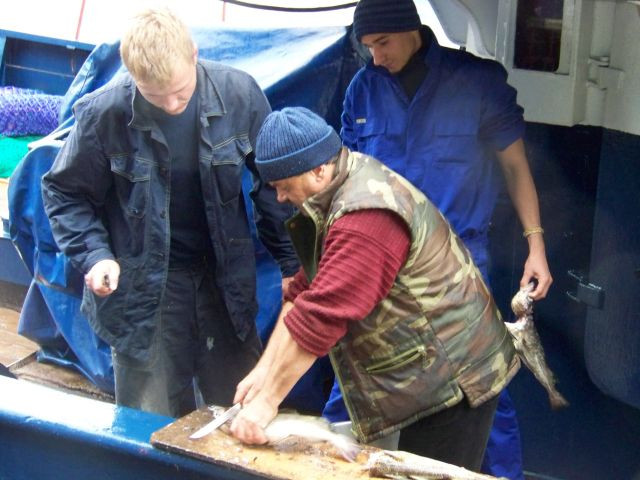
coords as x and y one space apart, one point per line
444 139
107 197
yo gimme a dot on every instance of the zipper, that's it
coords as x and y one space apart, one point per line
399 361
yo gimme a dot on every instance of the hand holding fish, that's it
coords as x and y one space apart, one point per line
536 267
250 422
102 278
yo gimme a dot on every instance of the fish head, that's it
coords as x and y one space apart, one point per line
521 303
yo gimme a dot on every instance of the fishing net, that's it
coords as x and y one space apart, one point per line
27 112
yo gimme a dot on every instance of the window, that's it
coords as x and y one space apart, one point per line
538 35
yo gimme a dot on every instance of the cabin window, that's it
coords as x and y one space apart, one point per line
538 35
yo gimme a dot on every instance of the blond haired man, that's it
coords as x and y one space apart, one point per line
145 197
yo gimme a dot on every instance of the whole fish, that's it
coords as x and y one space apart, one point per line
295 432
384 463
301 432
527 343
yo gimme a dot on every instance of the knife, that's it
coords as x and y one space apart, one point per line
217 422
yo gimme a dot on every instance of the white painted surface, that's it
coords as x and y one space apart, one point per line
600 80
104 21
622 110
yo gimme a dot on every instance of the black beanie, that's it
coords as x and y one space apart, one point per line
385 16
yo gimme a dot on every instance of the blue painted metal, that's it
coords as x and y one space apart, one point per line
49 434
45 64
12 269
597 436
41 63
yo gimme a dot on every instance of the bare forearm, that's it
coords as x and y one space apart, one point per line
289 363
266 360
520 184
525 200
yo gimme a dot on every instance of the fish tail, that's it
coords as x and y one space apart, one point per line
557 400
348 449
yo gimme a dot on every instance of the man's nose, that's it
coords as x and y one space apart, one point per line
281 197
171 103
377 57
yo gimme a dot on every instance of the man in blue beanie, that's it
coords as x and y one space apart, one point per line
440 117
415 339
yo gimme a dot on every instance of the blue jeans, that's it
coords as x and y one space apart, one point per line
195 348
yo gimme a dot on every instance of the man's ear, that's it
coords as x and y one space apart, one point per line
195 54
318 172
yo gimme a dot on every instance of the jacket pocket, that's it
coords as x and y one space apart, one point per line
403 359
456 142
132 186
383 139
227 162
406 384
132 176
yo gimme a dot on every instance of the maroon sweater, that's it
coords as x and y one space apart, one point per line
363 253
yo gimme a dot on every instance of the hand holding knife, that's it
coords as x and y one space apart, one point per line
217 422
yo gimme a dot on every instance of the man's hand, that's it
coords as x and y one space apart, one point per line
103 277
249 424
250 385
536 267
285 284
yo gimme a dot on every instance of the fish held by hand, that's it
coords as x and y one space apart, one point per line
300 432
529 347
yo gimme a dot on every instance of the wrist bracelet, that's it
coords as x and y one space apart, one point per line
531 231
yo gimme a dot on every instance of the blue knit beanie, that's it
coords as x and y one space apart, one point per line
292 141
385 16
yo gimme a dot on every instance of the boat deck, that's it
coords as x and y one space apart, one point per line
14 348
19 355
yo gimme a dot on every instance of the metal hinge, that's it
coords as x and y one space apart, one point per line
585 292
603 76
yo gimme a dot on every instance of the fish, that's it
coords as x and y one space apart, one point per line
394 464
529 347
292 431
296 432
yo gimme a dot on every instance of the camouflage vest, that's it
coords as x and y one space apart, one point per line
437 337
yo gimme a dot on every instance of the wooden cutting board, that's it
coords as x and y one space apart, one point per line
222 449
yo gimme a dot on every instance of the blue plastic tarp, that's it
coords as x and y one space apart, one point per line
305 67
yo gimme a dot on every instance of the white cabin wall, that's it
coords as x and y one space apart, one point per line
622 106
557 98
598 81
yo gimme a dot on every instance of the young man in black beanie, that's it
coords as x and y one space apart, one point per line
440 117
415 338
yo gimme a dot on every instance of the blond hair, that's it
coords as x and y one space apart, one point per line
156 44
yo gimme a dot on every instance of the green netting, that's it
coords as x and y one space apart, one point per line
12 149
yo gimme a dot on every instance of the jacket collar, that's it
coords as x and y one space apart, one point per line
318 205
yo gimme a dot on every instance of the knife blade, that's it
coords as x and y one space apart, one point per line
217 422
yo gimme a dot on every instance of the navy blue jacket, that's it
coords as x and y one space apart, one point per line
107 197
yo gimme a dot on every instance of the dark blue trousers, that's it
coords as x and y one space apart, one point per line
195 350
